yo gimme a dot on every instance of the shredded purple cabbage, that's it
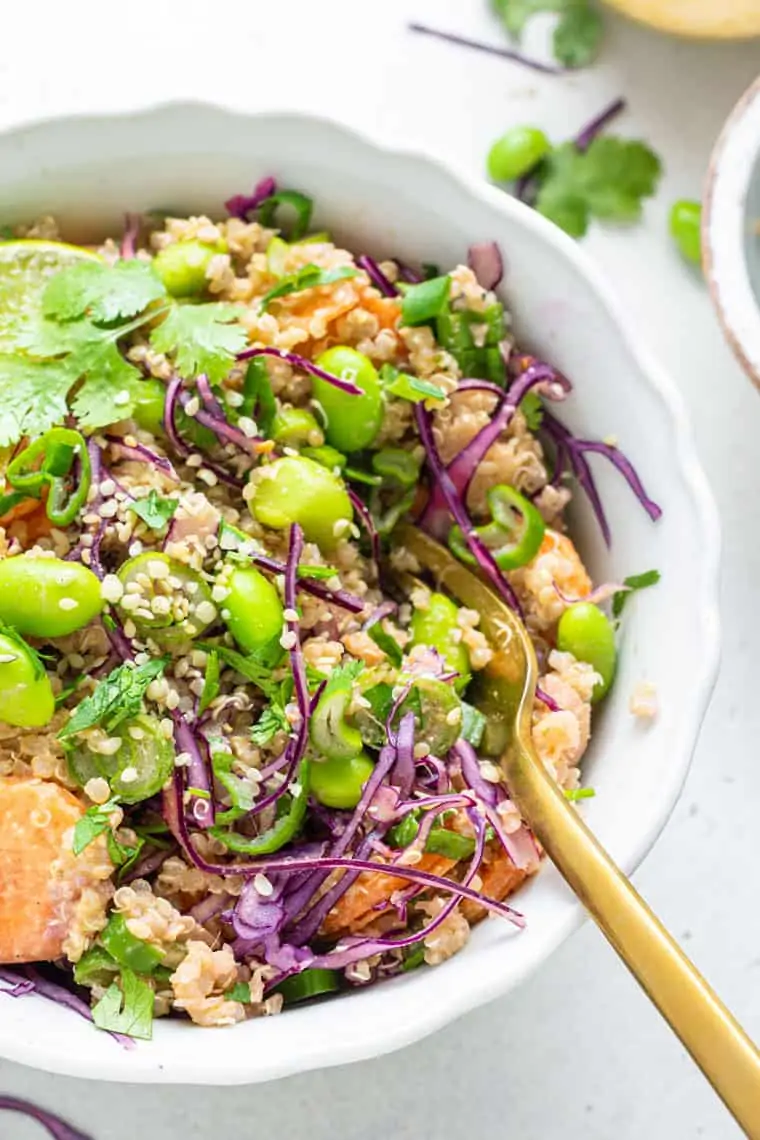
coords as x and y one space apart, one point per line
201 807
368 523
442 480
142 454
312 586
485 260
490 49
303 365
376 275
173 390
57 1128
407 274
129 240
39 984
241 205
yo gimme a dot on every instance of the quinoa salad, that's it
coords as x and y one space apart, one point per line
240 767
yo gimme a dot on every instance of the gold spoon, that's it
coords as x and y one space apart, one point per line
505 695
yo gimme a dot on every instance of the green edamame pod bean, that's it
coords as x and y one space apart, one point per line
339 783
47 597
589 635
295 426
165 595
295 489
26 695
352 421
255 612
438 627
182 266
516 152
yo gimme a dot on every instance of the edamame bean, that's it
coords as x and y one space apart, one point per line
685 228
47 597
137 770
438 627
352 421
589 635
182 266
339 783
516 152
294 426
162 594
255 611
26 695
296 489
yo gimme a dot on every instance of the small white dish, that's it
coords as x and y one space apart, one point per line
89 171
731 230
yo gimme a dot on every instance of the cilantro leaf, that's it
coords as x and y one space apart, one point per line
533 410
310 277
574 794
154 511
32 396
578 35
28 650
271 721
240 791
102 292
634 582
201 338
606 181
241 991
110 386
128 1009
117 697
94 822
516 13
247 665
407 387
473 724
342 678
210 682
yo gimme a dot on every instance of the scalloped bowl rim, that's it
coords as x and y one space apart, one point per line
367 1040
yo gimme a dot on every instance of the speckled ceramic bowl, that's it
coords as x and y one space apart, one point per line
731 230
375 197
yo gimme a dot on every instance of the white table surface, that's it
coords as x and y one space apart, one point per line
577 1052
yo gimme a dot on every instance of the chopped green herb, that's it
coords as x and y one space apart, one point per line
578 32
259 403
633 583
607 181
241 991
473 724
127 1009
201 338
117 697
271 721
64 694
318 573
573 794
532 408
154 511
300 203
96 967
310 277
387 643
247 665
210 682
342 678
94 822
424 302
102 292
414 956
240 791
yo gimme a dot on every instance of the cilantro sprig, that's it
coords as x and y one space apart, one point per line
126 1008
577 34
117 697
155 511
309 277
633 583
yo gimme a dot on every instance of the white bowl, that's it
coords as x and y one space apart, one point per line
385 201
731 230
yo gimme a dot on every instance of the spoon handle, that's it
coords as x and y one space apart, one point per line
713 1037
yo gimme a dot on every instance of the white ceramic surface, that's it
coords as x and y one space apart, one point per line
731 230
191 157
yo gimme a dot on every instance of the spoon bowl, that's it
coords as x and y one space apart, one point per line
505 694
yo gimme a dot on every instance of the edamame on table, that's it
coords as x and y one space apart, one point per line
253 771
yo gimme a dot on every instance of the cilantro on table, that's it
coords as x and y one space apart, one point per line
117 697
127 1008
633 583
578 32
607 181
155 511
309 277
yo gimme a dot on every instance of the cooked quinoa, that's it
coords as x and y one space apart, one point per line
233 703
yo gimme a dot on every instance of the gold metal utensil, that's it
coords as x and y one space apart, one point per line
505 695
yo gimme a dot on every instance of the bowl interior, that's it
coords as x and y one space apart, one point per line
189 159
751 229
